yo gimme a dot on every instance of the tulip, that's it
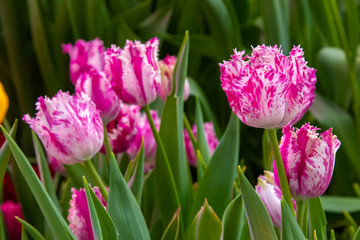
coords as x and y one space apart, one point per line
309 159
136 74
96 85
84 56
167 66
210 138
144 131
4 102
69 127
11 210
79 215
269 90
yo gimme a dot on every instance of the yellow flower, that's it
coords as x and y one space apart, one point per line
4 102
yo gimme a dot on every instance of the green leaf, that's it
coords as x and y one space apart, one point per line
317 219
123 208
2 227
172 230
201 137
260 224
357 235
232 219
97 18
138 176
332 235
76 173
58 225
34 233
352 18
44 169
337 204
290 228
220 175
206 225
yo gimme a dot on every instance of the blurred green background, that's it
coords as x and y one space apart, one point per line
32 63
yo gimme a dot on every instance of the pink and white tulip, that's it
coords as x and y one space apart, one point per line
96 85
211 139
309 160
136 77
144 131
268 89
84 56
79 215
167 66
10 210
271 196
69 127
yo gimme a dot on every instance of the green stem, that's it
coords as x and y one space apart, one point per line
280 168
107 144
98 181
301 207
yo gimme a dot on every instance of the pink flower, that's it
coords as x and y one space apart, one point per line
79 215
56 165
167 68
210 138
271 196
11 210
96 85
134 71
123 129
84 56
309 159
69 127
269 89
144 130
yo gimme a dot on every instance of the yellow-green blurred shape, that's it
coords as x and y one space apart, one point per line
4 102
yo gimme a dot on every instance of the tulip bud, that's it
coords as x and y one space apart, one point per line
11 210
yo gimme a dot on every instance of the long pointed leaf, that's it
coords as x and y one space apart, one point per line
138 178
34 233
317 219
172 230
232 224
201 138
290 228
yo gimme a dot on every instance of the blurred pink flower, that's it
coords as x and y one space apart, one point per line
210 137
144 130
134 71
309 160
269 89
84 56
11 210
79 215
167 66
95 84
69 127
271 196
56 165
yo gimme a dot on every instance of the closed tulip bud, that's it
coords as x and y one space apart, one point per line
271 196
309 160
84 56
268 89
10 210
69 127
135 75
96 85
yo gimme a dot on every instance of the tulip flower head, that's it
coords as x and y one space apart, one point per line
309 160
10 210
210 138
269 89
69 127
271 196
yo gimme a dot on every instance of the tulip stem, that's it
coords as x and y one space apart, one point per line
107 144
280 168
98 181
301 215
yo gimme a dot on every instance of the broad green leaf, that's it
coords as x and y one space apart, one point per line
43 165
138 176
172 230
34 233
332 235
201 137
123 208
290 228
232 219
352 25
260 224
97 18
221 171
58 225
317 219
95 221
206 225
148 203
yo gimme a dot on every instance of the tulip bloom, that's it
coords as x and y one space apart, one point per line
134 70
96 85
269 90
69 127
11 210
309 160
144 131
271 196
167 66
84 56
210 138
79 215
